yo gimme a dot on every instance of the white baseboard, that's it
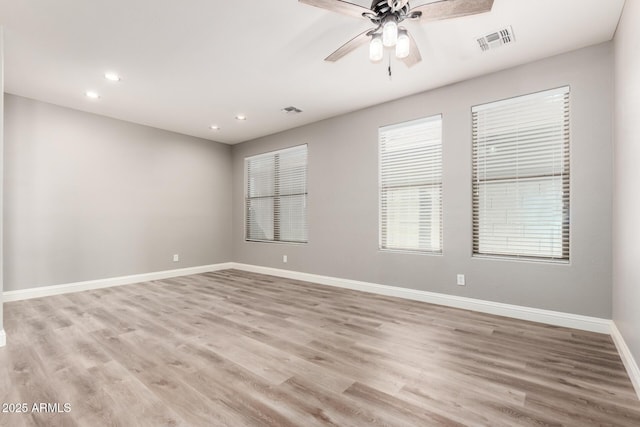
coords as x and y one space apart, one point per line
576 321
45 291
556 318
627 358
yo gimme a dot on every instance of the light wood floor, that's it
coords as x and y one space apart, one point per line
236 348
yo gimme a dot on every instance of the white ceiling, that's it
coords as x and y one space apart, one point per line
191 63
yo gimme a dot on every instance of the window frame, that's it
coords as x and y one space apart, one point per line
567 182
381 247
246 197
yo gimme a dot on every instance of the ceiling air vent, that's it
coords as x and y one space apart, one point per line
291 110
496 39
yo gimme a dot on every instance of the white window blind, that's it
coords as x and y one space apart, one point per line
276 196
411 185
521 176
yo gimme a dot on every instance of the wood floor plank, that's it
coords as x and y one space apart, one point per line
234 348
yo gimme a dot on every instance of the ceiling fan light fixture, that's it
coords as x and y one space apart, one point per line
403 47
390 32
376 48
385 15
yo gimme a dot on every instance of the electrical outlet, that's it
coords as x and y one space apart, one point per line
284 259
176 257
460 280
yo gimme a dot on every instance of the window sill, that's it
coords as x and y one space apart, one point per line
277 242
531 260
409 252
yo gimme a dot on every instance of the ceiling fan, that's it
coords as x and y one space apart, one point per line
386 15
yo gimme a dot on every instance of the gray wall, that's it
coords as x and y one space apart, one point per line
343 194
88 197
626 198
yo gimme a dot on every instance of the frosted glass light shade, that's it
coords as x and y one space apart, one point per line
376 49
390 33
403 47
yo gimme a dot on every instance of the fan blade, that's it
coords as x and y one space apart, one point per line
414 53
339 6
446 9
350 46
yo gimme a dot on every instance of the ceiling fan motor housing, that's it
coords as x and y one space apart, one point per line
386 8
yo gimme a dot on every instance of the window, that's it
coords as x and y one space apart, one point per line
521 177
276 196
411 185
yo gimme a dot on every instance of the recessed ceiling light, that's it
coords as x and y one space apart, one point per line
91 94
113 77
241 117
214 127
